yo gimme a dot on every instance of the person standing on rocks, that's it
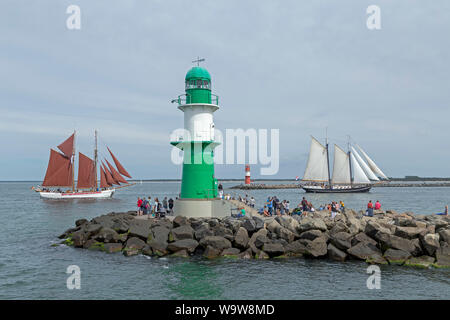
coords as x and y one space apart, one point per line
269 205
342 206
170 205
145 206
139 205
252 202
304 204
370 209
165 204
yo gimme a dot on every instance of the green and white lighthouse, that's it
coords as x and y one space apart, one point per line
198 196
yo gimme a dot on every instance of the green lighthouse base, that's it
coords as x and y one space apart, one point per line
202 208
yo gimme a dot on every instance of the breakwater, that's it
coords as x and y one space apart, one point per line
386 238
298 186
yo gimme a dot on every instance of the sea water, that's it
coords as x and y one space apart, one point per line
31 267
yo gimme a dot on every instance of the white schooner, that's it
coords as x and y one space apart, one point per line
350 172
61 171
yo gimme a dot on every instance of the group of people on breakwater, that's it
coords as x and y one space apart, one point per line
156 208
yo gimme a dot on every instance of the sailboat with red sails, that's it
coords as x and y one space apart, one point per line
61 171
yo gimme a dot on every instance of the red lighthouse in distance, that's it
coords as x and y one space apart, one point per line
247 174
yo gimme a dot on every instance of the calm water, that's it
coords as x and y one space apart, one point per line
31 268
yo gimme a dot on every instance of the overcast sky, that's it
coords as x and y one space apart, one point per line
296 66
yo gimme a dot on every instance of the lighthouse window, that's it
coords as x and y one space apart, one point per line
199 83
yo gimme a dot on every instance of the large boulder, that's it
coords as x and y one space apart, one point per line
420 262
222 231
373 227
408 232
391 241
258 234
259 222
335 254
430 242
107 235
394 256
140 228
159 234
180 221
202 231
341 240
80 222
211 252
249 224
443 256
307 223
273 226
273 249
316 248
79 238
134 243
286 234
185 244
112 247
362 237
181 232
247 254
230 252
296 247
241 238
363 251
158 248
215 242
288 223
444 235
311 234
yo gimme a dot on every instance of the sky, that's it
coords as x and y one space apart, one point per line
302 67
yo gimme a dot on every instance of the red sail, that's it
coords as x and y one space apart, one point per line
116 175
67 146
59 171
103 182
119 166
109 178
86 173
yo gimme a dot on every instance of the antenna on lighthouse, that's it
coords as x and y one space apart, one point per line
198 61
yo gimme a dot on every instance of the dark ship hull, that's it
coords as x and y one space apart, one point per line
328 189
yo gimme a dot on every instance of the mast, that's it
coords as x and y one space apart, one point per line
350 162
73 161
328 157
95 161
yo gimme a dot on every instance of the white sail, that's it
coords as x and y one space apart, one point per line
341 167
369 173
317 166
372 165
358 173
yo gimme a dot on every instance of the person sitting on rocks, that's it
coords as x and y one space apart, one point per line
377 205
445 213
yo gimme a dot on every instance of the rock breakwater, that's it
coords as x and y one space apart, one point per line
387 238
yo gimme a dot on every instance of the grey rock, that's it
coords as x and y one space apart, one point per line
341 240
79 238
203 231
113 247
296 247
373 227
394 242
273 249
335 254
159 233
311 234
363 251
259 223
241 238
316 248
421 262
230 252
107 235
443 256
186 244
247 254
180 221
444 235
134 243
158 248
394 256
181 232
408 232
140 229
80 222
430 243
310 223
211 252
362 237
215 242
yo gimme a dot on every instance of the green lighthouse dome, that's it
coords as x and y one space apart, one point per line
198 73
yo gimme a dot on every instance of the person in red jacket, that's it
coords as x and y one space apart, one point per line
370 209
139 205
377 205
